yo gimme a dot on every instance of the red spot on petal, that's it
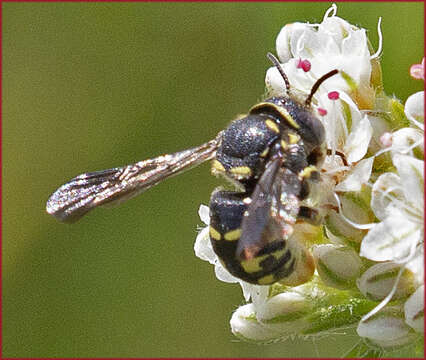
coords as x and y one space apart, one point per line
305 65
322 111
333 95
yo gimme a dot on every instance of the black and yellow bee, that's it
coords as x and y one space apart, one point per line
272 154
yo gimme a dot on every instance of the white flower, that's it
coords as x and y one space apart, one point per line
397 240
333 44
397 200
309 51
281 316
356 125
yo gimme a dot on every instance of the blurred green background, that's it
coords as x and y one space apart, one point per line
89 86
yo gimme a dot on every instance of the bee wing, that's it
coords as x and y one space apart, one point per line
257 217
87 191
287 201
272 212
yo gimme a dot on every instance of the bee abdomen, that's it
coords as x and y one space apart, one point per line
270 264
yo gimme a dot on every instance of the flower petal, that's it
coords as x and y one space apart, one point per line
357 142
377 282
203 248
259 296
417 266
335 27
283 305
386 189
315 44
404 139
411 171
357 176
283 316
414 310
244 325
386 329
338 266
204 214
274 82
391 239
288 32
414 109
223 275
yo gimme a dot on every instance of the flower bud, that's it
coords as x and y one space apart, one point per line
340 232
245 326
386 329
417 71
355 206
414 310
284 308
338 266
281 316
377 282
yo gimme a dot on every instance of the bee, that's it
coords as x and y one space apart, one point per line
272 155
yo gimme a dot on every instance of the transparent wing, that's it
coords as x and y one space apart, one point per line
87 191
272 212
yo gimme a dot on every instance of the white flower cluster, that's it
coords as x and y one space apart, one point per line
371 196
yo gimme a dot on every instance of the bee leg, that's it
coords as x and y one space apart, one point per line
309 215
295 157
307 175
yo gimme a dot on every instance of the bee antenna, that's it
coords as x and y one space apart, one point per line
277 64
317 85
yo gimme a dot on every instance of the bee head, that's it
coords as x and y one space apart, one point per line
309 126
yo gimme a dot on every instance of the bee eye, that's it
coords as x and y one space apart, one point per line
311 128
